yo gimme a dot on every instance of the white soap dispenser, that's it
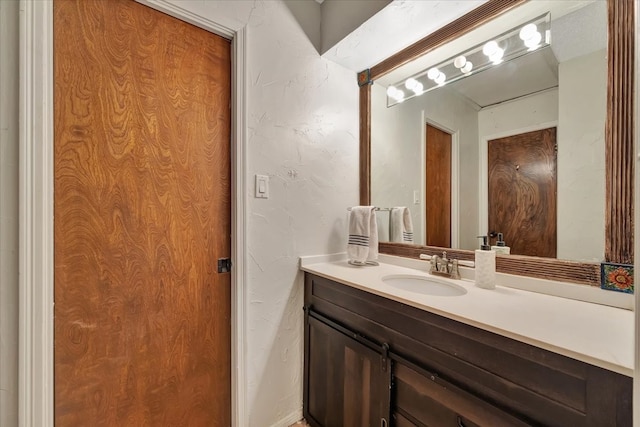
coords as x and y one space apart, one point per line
485 269
501 247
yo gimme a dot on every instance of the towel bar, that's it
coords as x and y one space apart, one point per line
377 209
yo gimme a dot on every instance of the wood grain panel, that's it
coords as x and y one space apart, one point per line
438 187
543 268
523 191
433 402
365 145
343 379
142 212
619 132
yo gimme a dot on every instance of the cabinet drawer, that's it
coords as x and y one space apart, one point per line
423 399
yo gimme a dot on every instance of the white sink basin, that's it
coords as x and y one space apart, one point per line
424 285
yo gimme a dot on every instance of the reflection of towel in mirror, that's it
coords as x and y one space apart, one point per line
400 225
363 236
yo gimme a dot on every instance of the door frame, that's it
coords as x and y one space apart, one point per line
483 190
455 178
36 264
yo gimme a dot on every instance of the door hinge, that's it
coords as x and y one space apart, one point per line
224 265
385 356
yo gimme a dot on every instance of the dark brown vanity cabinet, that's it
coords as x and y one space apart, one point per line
371 361
348 378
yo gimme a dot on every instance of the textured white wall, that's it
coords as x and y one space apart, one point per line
341 17
303 127
9 213
581 174
397 155
522 113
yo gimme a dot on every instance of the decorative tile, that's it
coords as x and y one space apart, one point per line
364 77
616 277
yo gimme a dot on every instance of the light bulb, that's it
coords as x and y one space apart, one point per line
460 61
467 67
433 73
440 79
490 48
496 57
395 93
528 31
411 83
418 88
533 41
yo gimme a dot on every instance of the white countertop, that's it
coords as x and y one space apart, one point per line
597 334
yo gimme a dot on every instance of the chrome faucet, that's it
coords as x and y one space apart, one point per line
441 266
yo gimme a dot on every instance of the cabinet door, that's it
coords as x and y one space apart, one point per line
422 399
346 382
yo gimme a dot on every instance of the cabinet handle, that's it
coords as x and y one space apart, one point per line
383 422
460 423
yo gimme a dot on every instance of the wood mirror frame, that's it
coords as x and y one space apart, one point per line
619 140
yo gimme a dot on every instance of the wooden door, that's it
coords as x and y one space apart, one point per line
142 213
523 193
344 380
438 187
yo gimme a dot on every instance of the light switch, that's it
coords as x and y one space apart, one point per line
416 197
262 186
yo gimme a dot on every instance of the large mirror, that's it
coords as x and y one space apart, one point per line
516 149
537 148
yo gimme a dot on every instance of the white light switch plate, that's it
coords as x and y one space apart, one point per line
262 187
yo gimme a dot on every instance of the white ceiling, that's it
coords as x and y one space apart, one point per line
398 25
577 28
522 76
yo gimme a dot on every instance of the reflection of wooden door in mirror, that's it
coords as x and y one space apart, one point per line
438 187
522 191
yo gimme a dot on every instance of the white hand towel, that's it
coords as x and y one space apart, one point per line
363 236
400 225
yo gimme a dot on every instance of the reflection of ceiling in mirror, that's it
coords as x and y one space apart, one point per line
588 17
516 78
574 34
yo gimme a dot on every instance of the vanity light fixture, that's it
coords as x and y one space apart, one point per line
493 50
516 42
531 37
460 61
395 93
414 85
462 64
437 76
433 73
467 68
